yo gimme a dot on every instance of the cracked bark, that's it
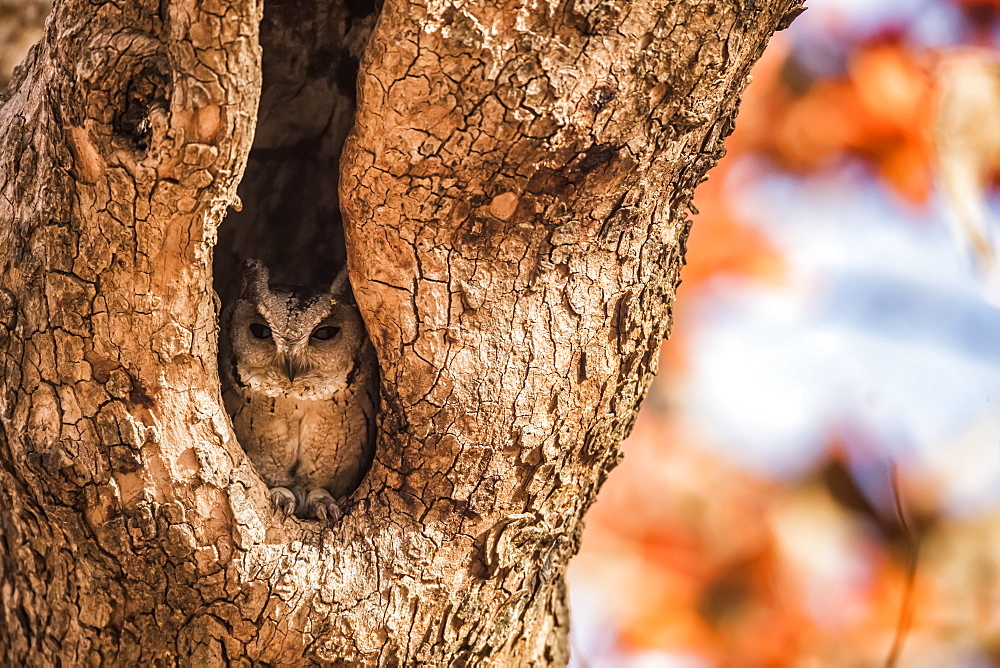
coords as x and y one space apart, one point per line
514 195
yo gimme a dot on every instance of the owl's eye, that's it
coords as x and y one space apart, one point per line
260 331
325 333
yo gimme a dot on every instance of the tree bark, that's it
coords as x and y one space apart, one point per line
514 195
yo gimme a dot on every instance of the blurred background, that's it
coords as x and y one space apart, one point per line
814 478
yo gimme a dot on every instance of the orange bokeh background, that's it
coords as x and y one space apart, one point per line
689 557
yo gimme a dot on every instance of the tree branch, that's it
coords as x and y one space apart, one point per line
515 199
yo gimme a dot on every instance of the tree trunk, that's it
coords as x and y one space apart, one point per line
514 196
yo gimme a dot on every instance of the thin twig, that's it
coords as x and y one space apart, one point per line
906 610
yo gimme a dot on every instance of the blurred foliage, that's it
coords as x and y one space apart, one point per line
876 109
688 559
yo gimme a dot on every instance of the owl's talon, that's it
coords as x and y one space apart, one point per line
284 500
328 513
321 505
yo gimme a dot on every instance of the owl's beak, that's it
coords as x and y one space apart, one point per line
292 368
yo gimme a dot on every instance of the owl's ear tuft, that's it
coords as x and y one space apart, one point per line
255 278
340 289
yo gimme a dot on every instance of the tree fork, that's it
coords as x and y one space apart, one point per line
514 196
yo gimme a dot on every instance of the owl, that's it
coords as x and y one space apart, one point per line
300 382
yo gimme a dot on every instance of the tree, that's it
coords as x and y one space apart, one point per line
514 194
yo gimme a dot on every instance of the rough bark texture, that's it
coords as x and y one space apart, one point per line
514 193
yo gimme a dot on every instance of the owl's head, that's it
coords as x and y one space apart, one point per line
292 341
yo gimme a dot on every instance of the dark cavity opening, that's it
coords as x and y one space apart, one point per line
291 208
146 92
